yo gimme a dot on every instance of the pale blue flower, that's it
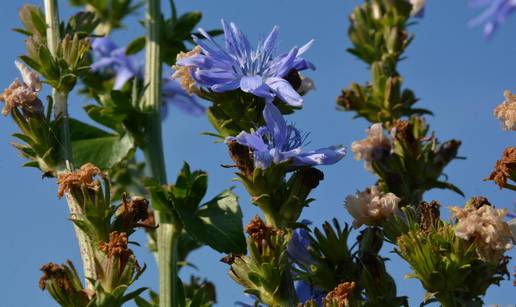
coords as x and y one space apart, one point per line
494 15
239 66
306 292
112 59
278 142
298 245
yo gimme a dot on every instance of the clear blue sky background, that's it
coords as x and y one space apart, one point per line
457 74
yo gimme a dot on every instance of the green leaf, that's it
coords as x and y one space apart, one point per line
186 23
91 144
218 224
135 46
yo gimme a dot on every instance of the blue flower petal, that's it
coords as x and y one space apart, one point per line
276 125
284 91
322 156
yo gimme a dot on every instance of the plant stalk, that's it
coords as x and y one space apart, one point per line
60 101
169 230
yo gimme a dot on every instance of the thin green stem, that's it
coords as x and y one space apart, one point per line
60 101
169 230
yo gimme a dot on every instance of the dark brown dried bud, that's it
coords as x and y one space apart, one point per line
429 215
243 157
341 295
478 201
260 232
58 274
404 132
82 177
117 247
346 99
505 168
228 259
132 214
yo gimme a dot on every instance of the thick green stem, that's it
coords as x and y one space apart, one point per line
61 112
169 230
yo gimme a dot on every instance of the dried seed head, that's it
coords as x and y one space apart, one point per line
184 72
504 168
133 213
52 271
117 245
260 232
506 112
341 295
83 177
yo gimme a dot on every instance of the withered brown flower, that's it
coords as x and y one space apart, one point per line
79 178
504 168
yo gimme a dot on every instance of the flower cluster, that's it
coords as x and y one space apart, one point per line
506 111
239 66
485 227
373 148
112 59
24 95
277 142
371 207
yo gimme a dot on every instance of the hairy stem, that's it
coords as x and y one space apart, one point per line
169 230
60 101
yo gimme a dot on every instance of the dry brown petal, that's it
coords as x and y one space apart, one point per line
506 112
243 157
83 177
341 294
58 274
504 167
259 231
17 95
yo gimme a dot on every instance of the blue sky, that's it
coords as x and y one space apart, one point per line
456 73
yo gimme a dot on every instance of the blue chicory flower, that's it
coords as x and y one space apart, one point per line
109 57
494 15
278 142
297 247
239 66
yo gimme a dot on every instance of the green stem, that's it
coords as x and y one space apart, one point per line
60 101
169 230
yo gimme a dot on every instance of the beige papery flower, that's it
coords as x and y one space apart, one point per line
183 72
22 94
486 228
506 112
375 147
371 207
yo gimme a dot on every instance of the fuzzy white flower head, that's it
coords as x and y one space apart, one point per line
375 147
417 7
506 112
484 226
371 207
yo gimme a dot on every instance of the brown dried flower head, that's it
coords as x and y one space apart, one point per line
133 213
373 148
504 168
183 72
83 177
260 232
341 294
506 111
485 226
117 245
23 95
429 215
58 274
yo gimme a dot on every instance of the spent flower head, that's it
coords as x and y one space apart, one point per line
485 227
22 94
505 168
494 15
83 177
239 66
373 148
371 207
278 142
506 111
